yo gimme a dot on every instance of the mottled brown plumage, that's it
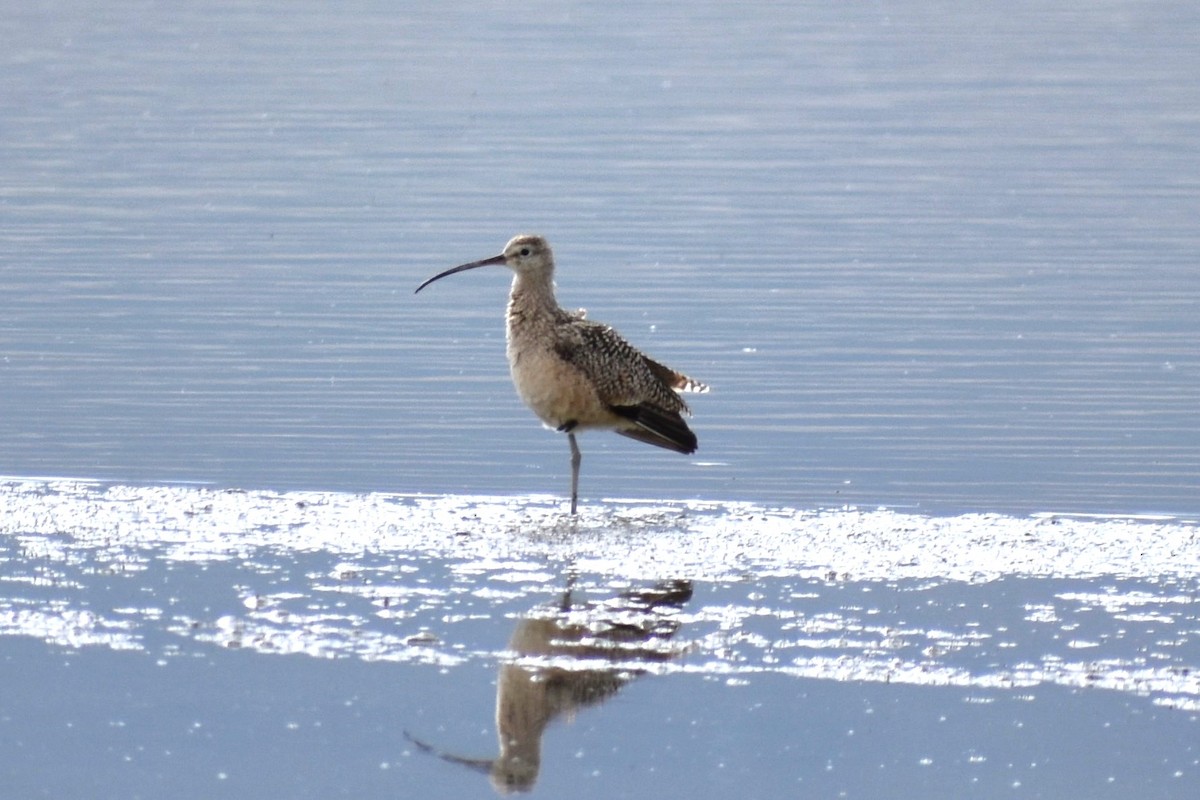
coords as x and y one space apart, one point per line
577 374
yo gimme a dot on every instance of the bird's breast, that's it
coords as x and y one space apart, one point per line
557 392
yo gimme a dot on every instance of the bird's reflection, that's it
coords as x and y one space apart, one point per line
567 656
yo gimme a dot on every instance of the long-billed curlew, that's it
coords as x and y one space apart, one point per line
577 374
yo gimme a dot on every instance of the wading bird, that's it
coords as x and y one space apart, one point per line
576 374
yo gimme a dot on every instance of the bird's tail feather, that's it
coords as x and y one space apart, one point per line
676 380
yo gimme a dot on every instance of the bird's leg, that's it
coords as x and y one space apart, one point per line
568 428
576 458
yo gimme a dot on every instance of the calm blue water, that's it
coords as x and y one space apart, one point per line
933 256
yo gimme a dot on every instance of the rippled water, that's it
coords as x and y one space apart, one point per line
931 257
928 257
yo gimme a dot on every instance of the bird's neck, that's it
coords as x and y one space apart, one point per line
532 297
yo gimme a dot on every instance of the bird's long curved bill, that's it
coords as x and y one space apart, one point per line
483 765
487 262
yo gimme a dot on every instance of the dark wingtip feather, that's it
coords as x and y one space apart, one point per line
660 428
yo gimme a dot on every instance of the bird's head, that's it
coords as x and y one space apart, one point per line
527 255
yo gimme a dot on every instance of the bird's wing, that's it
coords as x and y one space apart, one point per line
621 374
657 427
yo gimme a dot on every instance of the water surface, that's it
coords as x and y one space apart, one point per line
193 640
928 257
931 257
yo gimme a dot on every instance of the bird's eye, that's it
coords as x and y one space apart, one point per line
524 251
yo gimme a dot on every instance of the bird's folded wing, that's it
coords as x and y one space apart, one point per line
620 373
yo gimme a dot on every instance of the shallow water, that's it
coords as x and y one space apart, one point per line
661 649
935 259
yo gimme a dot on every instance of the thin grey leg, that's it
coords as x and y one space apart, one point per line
576 459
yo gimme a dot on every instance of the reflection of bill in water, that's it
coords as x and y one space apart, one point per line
566 657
